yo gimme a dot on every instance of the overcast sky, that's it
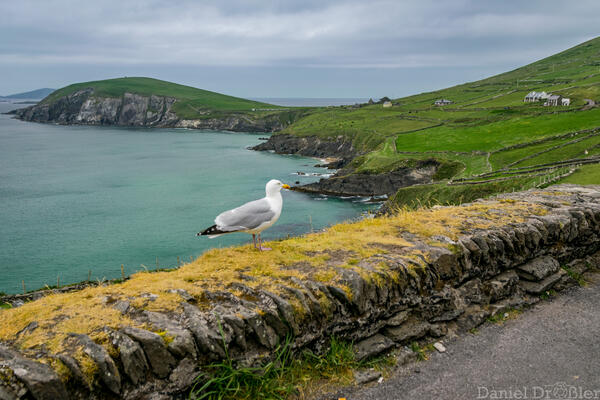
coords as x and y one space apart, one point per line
303 48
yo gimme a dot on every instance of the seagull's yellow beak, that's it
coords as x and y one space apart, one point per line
285 186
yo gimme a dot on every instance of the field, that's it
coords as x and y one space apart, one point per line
496 139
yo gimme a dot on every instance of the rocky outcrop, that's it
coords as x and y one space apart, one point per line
426 285
309 146
85 107
347 183
235 123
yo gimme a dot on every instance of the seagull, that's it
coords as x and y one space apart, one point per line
253 217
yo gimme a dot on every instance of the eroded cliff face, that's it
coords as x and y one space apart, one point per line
85 108
309 146
347 183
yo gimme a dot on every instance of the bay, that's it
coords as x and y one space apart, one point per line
80 198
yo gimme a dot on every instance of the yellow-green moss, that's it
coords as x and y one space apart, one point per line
346 244
88 367
168 339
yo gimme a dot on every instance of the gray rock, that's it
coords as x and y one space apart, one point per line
41 380
182 292
209 341
542 286
538 268
364 377
6 353
182 344
398 318
501 286
473 317
184 375
439 347
410 330
73 367
285 310
238 327
161 361
405 356
122 306
109 374
264 333
345 183
132 357
372 346
311 146
7 394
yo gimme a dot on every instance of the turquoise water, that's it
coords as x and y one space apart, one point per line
76 198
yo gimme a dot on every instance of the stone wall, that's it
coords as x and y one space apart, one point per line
431 287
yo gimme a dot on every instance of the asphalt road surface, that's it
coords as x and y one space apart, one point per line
551 351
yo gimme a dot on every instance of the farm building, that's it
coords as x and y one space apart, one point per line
565 101
535 96
387 104
443 102
554 100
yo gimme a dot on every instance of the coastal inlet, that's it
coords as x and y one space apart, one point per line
77 199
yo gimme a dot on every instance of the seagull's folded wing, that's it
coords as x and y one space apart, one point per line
249 216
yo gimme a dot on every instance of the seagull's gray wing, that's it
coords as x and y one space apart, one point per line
248 216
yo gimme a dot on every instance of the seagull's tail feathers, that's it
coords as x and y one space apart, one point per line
211 232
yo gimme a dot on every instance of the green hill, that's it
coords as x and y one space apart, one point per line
488 128
32 95
190 101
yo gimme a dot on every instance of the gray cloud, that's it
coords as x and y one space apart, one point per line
309 34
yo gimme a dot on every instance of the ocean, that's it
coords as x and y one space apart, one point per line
311 102
81 199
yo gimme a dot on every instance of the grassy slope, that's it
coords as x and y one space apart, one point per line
480 128
192 102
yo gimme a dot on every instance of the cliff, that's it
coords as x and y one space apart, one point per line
381 283
347 181
86 107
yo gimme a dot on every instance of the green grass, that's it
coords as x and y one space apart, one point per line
281 377
577 277
444 194
366 127
571 151
189 96
585 175
479 131
496 135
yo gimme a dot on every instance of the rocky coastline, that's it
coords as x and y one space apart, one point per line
84 107
346 182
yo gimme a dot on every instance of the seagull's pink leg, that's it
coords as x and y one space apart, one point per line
260 245
254 239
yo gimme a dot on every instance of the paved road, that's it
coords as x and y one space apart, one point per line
555 346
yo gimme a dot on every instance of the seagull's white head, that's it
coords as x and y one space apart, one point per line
274 186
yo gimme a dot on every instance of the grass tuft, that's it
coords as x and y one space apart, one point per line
281 377
577 277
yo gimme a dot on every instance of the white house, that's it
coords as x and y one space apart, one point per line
387 104
535 96
443 102
565 101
